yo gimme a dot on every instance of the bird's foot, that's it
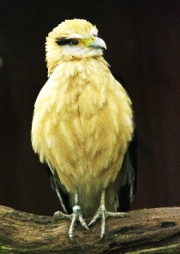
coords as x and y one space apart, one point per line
103 214
75 216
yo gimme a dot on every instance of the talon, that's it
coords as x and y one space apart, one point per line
103 224
103 214
102 235
76 215
96 216
59 215
82 221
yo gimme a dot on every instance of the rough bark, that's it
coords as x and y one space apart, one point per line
143 231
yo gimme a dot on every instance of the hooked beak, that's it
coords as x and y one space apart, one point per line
98 43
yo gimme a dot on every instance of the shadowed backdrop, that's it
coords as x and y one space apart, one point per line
143 39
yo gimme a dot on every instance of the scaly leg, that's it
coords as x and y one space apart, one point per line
76 215
103 214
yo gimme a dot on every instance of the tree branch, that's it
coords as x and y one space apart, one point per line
143 231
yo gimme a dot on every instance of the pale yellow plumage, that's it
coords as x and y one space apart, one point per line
82 121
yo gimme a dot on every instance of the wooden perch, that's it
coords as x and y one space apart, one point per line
143 231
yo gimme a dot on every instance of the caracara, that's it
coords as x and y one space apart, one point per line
82 125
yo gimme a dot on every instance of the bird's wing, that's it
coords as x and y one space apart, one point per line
56 186
129 166
129 183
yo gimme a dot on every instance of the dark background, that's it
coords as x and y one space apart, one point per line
143 39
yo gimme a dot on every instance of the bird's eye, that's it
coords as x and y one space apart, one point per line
74 41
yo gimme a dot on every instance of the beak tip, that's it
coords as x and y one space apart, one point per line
99 43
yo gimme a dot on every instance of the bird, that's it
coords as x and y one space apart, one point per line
82 126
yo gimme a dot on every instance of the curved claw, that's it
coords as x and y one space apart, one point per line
75 216
95 218
82 221
103 214
103 224
59 215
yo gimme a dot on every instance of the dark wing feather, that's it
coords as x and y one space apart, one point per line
56 186
129 185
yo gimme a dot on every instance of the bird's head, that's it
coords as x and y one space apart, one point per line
76 38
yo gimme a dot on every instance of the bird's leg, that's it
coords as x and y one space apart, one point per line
103 214
76 215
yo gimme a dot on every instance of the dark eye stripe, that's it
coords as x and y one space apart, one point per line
63 41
